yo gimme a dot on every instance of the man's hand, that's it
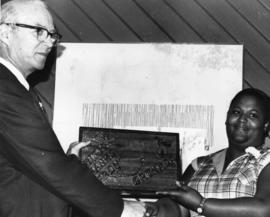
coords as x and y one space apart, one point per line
133 209
74 147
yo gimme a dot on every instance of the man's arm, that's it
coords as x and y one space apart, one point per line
28 141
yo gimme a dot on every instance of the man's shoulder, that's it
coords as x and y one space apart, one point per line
5 73
3 68
6 77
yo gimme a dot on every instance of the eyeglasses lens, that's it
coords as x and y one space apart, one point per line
43 34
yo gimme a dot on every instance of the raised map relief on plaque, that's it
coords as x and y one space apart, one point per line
138 163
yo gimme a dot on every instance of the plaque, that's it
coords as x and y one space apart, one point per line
138 163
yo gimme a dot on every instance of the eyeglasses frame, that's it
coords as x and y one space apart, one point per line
53 35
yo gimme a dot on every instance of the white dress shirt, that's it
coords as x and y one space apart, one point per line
15 72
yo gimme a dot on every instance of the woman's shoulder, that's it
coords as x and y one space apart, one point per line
261 156
202 160
264 157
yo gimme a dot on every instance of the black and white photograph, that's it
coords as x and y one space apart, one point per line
134 108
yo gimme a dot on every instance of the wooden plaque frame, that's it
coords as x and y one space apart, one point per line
138 163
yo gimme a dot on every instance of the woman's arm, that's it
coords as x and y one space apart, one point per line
257 206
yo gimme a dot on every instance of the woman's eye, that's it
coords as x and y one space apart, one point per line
252 115
235 112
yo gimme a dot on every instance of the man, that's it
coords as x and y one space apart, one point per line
37 179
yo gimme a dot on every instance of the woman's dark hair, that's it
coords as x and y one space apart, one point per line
261 96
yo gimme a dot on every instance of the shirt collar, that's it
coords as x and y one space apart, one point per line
219 158
15 72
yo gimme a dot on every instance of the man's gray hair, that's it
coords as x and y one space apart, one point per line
8 12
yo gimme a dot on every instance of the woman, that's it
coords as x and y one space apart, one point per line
233 182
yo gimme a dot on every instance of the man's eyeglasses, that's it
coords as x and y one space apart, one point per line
42 33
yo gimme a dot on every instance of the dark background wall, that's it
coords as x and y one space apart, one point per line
244 22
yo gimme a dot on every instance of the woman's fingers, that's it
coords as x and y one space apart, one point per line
170 193
163 192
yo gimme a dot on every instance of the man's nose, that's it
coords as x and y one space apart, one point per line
50 42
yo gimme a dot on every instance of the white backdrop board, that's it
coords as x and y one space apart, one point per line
183 88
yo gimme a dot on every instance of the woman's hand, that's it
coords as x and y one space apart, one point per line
74 147
184 195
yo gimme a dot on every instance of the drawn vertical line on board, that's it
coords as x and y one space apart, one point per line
150 115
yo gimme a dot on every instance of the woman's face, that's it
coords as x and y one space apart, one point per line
245 123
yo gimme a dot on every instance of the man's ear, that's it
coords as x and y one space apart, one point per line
5 33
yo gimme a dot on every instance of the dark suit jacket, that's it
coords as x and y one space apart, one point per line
37 179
